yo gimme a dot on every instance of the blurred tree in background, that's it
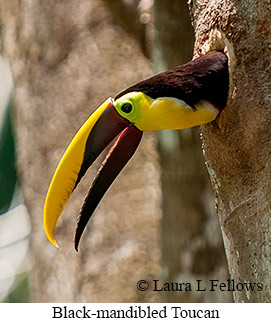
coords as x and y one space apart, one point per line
67 57
192 244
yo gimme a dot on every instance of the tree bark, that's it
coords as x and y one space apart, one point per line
238 145
192 246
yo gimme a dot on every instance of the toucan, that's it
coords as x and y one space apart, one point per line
185 96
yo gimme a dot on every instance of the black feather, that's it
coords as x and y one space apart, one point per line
205 78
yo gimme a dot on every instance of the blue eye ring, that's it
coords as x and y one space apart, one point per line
126 107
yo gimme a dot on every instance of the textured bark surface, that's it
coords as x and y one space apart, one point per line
192 244
238 144
67 57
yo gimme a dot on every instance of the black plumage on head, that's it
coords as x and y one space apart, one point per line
205 78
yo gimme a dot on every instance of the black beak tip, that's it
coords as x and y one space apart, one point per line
77 238
76 247
120 153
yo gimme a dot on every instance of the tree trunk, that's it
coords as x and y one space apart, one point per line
67 57
238 144
192 243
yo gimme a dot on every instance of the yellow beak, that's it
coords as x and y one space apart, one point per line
91 139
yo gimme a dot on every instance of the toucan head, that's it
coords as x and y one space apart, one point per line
186 96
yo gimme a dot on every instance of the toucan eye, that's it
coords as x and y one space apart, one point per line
126 107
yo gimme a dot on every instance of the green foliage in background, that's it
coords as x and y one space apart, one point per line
20 289
8 172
